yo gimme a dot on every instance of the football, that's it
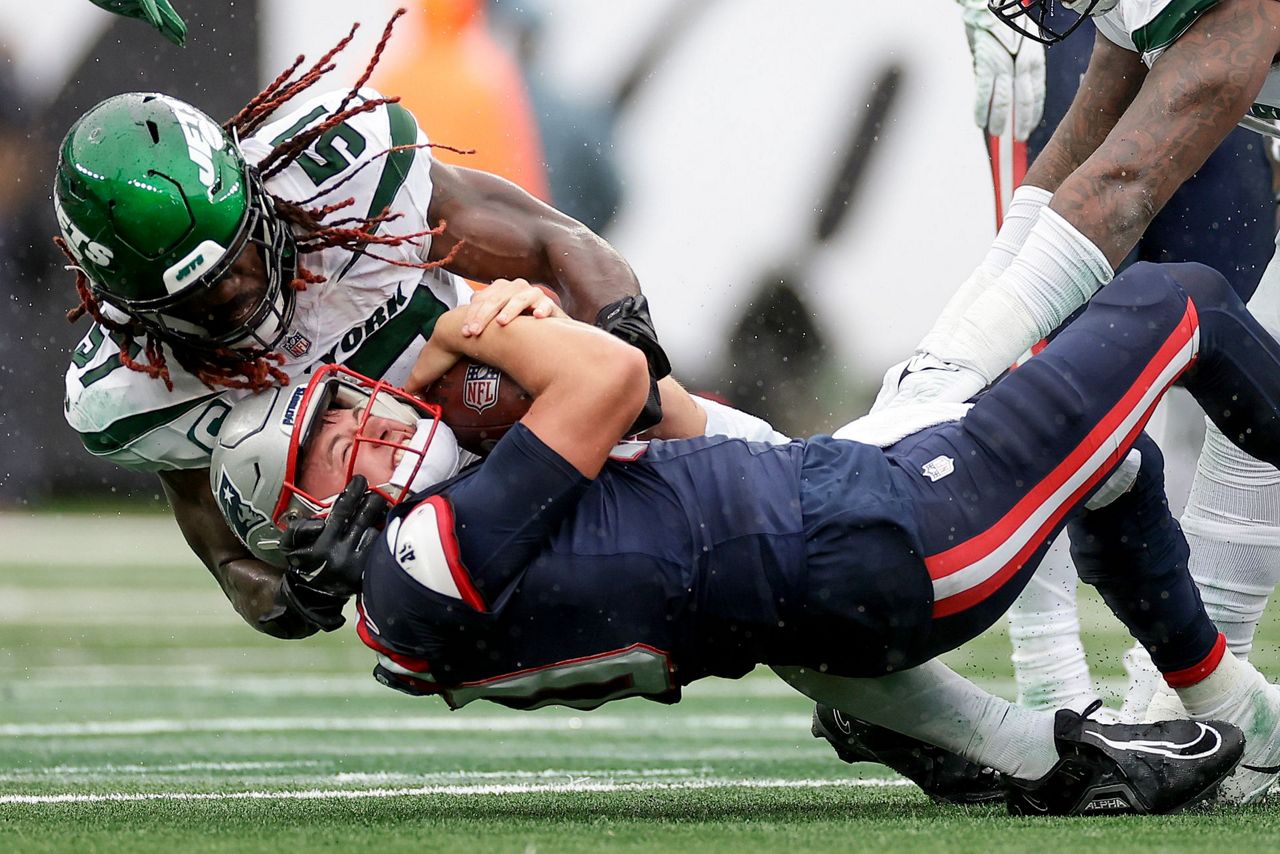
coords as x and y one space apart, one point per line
479 403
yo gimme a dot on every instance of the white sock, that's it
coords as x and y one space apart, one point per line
1232 523
1144 681
934 704
1019 219
1056 272
1044 628
1219 693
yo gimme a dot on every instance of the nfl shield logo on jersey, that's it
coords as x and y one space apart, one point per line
297 345
480 388
938 468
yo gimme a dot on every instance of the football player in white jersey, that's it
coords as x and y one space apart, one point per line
219 260
1168 79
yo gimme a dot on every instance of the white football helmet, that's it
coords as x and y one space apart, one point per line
256 467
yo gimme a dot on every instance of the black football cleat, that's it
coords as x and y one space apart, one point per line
946 777
1115 769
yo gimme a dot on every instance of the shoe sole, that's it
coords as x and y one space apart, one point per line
818 731
1208 792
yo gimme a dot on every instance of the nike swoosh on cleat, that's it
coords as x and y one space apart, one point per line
1262 769
1204 745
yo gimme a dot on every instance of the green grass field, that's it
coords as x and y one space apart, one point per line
137 713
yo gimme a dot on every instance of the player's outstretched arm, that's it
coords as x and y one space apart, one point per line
1110 84
588 386
498 231
251 585
1192 98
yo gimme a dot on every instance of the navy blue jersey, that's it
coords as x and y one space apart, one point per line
525 583
699 557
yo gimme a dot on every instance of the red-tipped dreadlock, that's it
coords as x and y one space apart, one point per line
231 368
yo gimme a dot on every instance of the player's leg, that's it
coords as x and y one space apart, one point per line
1222 217
1044 629
1036 444
1053 763
1044 623
1232 518
1235 381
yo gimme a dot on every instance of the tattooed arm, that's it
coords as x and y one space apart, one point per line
1191 99
1110 84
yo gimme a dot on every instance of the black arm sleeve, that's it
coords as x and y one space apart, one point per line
628 319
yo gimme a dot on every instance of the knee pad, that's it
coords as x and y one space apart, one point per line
1205 285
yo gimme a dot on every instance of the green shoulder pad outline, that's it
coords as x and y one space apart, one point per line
1172 21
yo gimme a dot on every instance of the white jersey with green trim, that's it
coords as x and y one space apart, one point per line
369 314
1150 27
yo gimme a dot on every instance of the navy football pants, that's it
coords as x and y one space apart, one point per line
1035 447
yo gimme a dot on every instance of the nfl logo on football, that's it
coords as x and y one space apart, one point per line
480 388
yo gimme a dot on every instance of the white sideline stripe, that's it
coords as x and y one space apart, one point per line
595 723
480 789
979 571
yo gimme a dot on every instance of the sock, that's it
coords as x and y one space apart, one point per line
1232 523
1044 628
1144 681
1218 692
1019 219
1056 272
936 705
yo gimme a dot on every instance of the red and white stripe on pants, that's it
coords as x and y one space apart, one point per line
969 572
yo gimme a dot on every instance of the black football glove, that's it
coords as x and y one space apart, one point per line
629 319
325 557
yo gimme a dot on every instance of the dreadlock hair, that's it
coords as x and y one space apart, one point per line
313 231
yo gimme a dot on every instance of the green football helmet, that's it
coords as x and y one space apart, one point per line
156 203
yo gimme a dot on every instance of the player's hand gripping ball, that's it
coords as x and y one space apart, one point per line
479 403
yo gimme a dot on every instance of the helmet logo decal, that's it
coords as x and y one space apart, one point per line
84 248
190 268
241 515
203 138
480 387
291 411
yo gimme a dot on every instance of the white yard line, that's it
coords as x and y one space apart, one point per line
580 786
461 723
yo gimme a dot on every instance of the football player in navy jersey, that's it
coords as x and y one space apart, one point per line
569 569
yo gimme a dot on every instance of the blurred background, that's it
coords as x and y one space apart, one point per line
798 187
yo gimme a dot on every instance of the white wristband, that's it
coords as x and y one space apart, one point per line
1056 272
